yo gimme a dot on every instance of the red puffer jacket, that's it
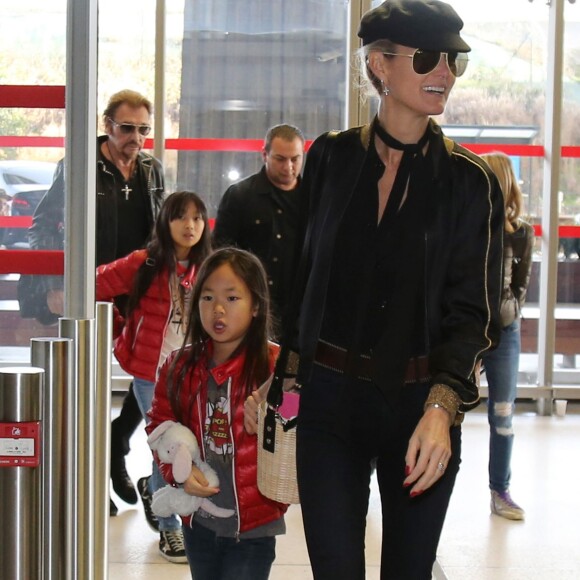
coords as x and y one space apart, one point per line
253 508
138 348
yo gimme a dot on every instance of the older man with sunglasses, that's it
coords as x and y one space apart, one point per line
130 192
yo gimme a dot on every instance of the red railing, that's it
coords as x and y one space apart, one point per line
32 262
32 96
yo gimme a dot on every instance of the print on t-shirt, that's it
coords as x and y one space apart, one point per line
176 318
217 427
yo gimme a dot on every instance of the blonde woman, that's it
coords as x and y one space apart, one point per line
501 365
401 297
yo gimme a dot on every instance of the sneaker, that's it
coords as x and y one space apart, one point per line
171 546
147 498
503 505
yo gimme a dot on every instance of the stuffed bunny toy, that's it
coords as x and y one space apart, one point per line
177 445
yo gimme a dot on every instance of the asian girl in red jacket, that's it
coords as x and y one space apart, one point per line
203 386
158 281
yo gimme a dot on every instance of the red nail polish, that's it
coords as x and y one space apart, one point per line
407 470
407 484
416 493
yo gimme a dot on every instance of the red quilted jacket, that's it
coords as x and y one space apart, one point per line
253 508
138 347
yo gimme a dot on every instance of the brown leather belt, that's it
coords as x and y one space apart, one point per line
336 359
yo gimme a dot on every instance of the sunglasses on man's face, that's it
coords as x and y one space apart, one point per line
128 128
426 61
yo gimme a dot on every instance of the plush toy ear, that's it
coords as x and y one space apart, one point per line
181 464
153 439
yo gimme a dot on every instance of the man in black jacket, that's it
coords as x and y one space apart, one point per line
261 213
130 192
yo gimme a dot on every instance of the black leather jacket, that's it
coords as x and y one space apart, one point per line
47 230
463 255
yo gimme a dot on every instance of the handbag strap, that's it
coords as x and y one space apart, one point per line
275 392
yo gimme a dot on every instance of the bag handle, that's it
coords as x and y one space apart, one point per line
275 393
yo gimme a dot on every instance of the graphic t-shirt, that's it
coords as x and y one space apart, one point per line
219 454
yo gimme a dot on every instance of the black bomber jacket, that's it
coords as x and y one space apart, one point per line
463 255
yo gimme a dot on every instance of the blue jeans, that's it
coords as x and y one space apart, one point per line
144 394
501 369
343 425
213 558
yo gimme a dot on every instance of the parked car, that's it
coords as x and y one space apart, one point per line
18 176
24 183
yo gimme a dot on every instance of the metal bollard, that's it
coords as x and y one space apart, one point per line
104 346
81 449
54 355
21 394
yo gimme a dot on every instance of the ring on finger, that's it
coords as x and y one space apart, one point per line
441 466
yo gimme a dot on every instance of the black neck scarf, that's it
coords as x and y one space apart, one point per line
410 152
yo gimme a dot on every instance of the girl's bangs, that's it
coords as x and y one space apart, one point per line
179 209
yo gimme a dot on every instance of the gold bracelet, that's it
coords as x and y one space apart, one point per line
444 397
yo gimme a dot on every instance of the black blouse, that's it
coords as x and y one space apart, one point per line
385 300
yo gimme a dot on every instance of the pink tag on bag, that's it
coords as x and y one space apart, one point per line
289 407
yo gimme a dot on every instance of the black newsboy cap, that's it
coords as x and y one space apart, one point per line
427 24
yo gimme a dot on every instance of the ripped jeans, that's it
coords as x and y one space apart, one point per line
501 369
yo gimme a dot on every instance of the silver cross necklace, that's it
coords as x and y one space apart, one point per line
126 190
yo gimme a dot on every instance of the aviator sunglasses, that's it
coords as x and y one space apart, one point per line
426 61
128 128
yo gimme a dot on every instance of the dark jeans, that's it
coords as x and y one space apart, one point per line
343 425
214 558
123 426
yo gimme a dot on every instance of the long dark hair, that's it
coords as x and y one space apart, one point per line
161 248
256 365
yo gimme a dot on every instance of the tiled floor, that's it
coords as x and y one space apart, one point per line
475 545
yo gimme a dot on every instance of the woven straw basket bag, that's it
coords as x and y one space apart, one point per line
277 468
